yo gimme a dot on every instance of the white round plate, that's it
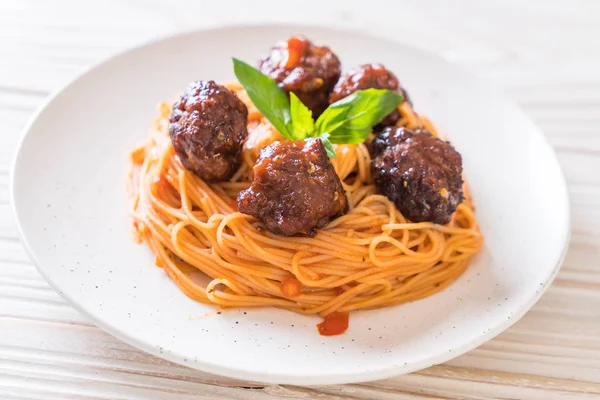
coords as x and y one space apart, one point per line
68 192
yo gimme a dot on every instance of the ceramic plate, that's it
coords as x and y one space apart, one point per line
68 191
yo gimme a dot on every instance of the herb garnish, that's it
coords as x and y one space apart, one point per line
347 121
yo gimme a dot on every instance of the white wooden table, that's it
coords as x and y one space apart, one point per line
547 54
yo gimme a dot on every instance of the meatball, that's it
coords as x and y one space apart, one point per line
295 189
390 136
421 174
309 71
208 130
369 76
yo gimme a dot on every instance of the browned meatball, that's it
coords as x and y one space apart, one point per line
294 189
419 173
309 71
369 76
390 136
208 130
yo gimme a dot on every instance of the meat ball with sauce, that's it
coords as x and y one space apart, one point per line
208 130
390 136
309 71
421 174
295 189
369 76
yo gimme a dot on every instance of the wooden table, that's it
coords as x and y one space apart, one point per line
547 54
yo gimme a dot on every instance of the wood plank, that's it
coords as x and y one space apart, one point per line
66 355
13 122
8 229
12 251
549 61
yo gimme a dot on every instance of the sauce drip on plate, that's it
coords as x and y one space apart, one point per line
335 323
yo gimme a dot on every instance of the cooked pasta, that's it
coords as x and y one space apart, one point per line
370 257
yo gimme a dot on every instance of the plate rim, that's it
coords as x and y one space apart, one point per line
277 378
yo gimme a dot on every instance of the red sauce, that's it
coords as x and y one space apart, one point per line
138 155
295 47
338 290
291 287
162 184
335 323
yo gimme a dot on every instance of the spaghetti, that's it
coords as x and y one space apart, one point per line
370 257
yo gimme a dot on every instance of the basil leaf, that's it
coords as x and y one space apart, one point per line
327 144
303 123
268 98
351 119
331 119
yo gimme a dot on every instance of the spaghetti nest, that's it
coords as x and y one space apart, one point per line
370 257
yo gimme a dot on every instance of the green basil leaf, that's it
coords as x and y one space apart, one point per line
351 119
268 98
303 123
327 145
331 119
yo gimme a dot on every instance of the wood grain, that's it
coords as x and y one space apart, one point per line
546 54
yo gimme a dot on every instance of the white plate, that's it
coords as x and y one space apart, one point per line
68 195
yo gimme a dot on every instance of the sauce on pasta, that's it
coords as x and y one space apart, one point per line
370 257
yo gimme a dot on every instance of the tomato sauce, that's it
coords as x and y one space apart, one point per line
162 184
335 323
295 49
291 287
